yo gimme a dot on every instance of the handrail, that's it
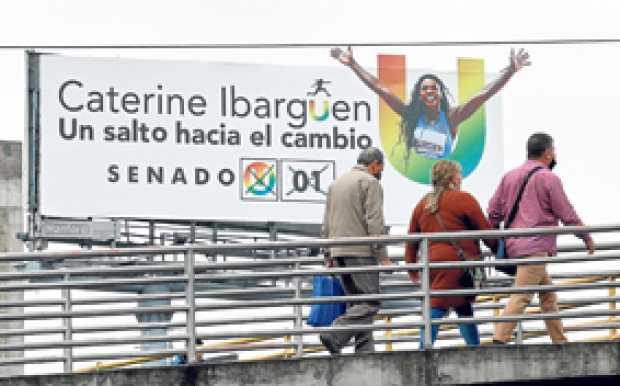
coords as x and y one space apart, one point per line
308 243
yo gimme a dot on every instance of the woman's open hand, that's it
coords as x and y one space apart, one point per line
344 57
519 59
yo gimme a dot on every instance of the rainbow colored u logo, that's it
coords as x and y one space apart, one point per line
313 113
472 132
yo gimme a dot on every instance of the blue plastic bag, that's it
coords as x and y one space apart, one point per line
324 314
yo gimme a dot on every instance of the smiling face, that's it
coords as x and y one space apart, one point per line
430 93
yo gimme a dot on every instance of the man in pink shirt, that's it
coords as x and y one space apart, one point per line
543 203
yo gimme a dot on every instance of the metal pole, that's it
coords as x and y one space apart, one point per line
68 325
273 236
426 285
191 306
299 319
519 337
151 232
388 335
612 307
214 232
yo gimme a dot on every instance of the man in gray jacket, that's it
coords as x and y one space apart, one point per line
354 208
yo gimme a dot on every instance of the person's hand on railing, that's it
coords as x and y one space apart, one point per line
385 260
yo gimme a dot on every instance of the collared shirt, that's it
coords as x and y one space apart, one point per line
543 203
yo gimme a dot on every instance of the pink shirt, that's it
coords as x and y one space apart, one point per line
543 203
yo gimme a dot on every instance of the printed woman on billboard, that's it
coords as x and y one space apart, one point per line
429 125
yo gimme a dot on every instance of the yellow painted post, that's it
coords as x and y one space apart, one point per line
388 334
287 352
496 301
612 307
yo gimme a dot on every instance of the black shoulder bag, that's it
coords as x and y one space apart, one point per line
501 243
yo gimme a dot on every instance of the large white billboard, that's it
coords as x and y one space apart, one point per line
246 142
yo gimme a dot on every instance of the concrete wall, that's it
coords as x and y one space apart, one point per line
11 218
439 367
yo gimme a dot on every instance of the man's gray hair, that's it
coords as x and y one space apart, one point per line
537 143
369 155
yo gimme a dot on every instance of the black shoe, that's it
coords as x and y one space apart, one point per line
329 344
497 342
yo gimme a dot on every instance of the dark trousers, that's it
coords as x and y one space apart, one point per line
363 312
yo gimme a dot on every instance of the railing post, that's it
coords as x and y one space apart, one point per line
612 307
68 325
299 319
191 306
519 337
388 335
426 286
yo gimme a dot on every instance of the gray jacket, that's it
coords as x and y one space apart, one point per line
354 208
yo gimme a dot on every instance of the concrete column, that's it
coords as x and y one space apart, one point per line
155 317
11 220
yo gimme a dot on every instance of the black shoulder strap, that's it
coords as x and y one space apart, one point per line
515 207
455 244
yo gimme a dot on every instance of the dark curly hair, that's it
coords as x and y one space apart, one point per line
416 108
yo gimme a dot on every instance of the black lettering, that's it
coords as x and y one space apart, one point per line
226 177
234 138
300 180
86 132
113 173
262 110
364 142
180 104
336 109
66 134
128 100
179 176
197 105
279 101
132 175
223 100
159 134
357 106
146 102
339 140
112 94
301 140
95 102
320 140
201 176
198 137
257 138
235 100
108 133
285 139
156 174
301 115
61 95
181 134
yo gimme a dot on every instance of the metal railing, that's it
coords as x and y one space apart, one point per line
196 289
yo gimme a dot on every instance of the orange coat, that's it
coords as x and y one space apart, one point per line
459 211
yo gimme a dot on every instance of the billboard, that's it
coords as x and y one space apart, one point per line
250 142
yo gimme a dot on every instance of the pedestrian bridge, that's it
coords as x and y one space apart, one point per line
249 311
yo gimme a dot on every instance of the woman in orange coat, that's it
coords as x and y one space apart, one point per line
448 209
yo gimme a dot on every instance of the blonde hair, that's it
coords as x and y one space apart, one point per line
442 179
